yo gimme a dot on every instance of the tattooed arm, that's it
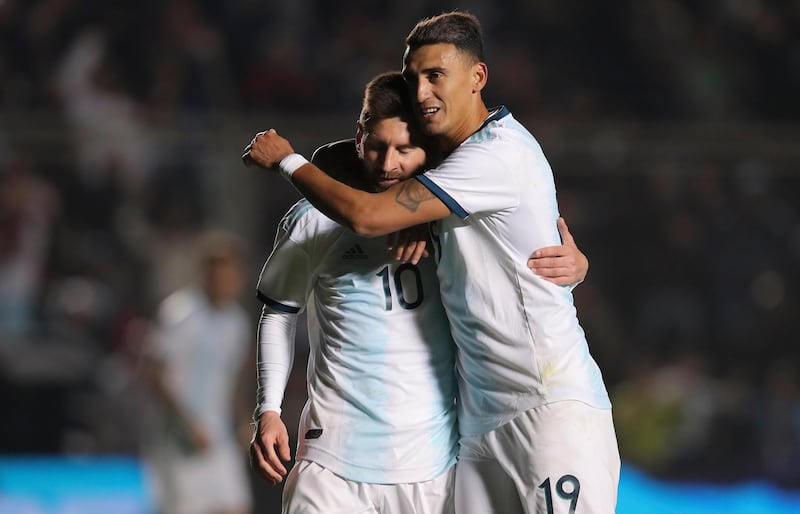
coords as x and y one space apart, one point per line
405 204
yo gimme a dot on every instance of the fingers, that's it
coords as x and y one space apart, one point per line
410 251
553 264
271 455
263 460
392 240
548 264
548 252
247 158
283 452
410 245
563 230
269 447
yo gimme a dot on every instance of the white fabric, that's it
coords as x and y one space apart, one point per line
312 489
520 343
276 331
558 458
290 163
381 385
202 350
204 484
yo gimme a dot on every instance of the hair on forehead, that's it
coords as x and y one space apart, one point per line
386 96
458 28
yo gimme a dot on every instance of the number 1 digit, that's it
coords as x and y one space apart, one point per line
548 495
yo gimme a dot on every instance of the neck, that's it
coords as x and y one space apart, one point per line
470 125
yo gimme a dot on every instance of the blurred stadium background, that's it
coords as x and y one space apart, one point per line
673 128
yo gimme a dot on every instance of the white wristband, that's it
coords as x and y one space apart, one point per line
290 163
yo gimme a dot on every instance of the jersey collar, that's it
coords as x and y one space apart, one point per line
495 114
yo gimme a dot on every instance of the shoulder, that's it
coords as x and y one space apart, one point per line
335 153
303 222
502 139
178 306
340 160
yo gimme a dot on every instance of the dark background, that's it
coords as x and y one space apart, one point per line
672 128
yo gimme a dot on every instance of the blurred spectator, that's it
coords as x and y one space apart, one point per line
672 128
108 129
196 361
28 207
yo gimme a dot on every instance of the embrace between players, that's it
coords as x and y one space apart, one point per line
461 382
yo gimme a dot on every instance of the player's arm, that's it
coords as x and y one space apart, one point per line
562 265
405 204
269 448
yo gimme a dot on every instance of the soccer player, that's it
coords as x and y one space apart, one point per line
534 416
196 359
378 433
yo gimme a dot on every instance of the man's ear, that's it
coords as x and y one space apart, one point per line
360 138
480 75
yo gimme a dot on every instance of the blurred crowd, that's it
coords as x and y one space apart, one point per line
663 59
692 301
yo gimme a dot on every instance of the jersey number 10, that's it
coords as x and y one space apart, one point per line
405 298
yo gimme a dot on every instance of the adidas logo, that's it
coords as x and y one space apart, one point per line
355 252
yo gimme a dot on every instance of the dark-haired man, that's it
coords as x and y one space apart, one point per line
534 415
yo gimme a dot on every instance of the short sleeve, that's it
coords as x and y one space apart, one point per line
475 179
286 278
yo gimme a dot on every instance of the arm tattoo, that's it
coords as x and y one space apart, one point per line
411 194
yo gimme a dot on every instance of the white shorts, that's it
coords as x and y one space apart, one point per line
313 489
559 458
210 482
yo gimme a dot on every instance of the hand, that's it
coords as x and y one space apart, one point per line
270 446
409 245
200 438
562 265
266 150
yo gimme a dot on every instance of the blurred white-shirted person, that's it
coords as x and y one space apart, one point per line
197 358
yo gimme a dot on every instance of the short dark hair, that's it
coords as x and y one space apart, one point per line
386 96
461 29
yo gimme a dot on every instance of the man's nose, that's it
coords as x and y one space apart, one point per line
390 160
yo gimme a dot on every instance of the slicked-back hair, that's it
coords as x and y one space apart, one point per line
461 29
386 96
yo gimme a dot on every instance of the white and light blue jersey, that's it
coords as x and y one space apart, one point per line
519 341
381 380
202 349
